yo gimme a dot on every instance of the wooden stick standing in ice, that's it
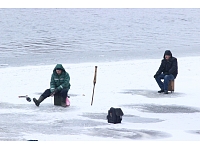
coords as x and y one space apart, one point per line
94 81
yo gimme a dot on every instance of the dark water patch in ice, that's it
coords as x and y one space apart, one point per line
127 133
9 135
79 123
30 106
194 132
13 125
137 119
4 105
125 118
12 128
51 108
101 116
42 120
152 94
67 127
153 108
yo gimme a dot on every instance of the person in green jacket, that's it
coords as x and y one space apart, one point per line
60 84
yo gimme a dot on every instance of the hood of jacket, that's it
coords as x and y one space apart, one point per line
167 52
59 66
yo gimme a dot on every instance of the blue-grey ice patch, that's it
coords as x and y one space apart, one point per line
123 133
151 93
154 108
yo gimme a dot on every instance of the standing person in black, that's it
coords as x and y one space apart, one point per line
168 70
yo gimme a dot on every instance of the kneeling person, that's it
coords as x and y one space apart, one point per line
60 84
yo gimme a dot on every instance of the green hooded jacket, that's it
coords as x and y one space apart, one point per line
59 81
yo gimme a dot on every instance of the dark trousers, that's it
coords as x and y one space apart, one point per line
63 93
164 85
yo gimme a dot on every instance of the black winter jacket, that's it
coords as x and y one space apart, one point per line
59 81
168 67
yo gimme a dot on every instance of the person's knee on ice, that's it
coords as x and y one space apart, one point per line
168 70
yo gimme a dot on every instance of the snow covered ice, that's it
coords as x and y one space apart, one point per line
128 85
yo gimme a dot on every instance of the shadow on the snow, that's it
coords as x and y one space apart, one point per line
125 118
79 123
127 133
151 94
30 106
137 119
194 131
98 116
197 132
50 108
153 108
17 119
14 125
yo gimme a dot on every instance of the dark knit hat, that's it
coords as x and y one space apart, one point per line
58 69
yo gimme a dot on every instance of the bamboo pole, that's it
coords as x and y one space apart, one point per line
94 82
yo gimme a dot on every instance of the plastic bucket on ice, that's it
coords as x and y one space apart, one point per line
67 102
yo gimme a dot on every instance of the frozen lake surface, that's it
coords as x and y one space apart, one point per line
128 85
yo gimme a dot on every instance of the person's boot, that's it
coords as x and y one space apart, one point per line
166 92
161 91
37 102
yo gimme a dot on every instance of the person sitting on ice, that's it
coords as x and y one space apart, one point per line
168 70
59 84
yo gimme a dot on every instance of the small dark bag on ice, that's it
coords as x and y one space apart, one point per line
115 115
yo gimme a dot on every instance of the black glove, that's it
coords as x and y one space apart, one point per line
54 92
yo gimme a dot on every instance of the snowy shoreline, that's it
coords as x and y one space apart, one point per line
126 84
